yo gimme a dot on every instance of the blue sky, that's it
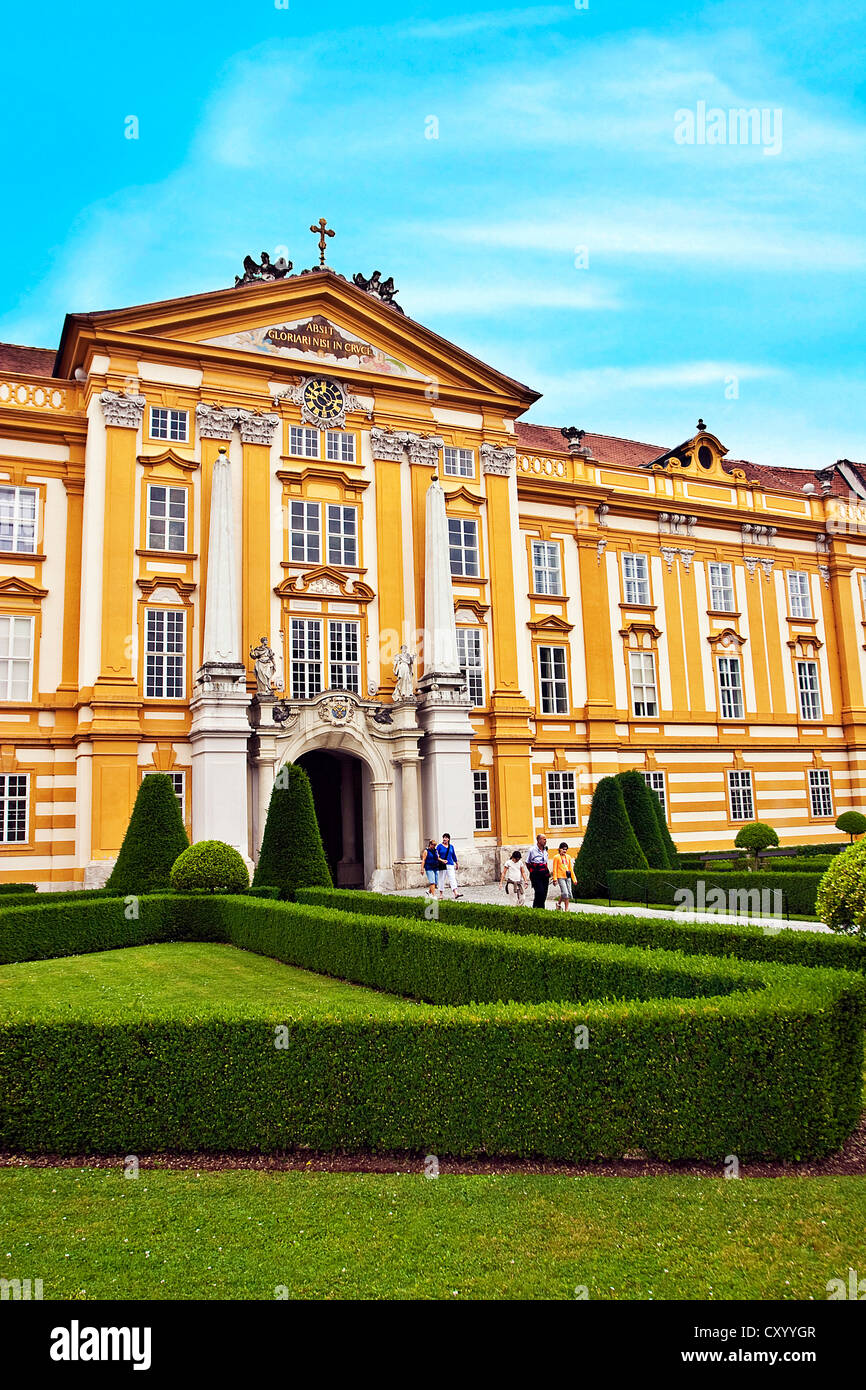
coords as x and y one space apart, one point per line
556 227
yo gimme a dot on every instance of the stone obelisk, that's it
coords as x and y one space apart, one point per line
444 704
220 726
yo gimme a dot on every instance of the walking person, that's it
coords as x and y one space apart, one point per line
514 877
562 873
539 870
430 865
447 856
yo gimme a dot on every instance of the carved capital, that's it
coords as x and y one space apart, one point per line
256 429
125 411
213 422
498 458
424 448
388 445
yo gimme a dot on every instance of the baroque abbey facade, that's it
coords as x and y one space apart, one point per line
223 516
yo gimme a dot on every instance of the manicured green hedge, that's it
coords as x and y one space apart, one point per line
785 944
797 864
17 888
768 1065
658 886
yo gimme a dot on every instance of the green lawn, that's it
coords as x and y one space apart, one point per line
91 1233
184 979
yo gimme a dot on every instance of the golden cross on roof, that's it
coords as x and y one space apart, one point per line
324 230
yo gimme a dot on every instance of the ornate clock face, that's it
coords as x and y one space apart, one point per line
323 398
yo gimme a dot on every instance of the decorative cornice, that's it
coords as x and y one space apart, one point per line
123 411
755 534
13 587
727 638
550 623
255 428
498 459
325 582
185 589
213 422
168 456
388 445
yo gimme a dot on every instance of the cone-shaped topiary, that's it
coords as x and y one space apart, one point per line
292 855
609 842
154 838
667 838
210 865
639 804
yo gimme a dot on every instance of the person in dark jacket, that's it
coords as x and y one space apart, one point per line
539 870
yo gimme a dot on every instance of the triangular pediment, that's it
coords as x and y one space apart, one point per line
12 587
317 320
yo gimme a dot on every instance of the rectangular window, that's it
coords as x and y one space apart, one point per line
178 781
344 662
169 424
471 662
340 447
164 653
561 798
305 535
635 574
742 801
656 783
459 463
553 680
809 690
303 443
644 695
18 519
820 793
342 535
16 658
306 658
13 808
166 517
722 588
798 594
481 796
546 570
730 687
463 543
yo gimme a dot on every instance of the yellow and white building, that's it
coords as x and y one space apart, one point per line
616 604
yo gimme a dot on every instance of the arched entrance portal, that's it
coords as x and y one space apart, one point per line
338 798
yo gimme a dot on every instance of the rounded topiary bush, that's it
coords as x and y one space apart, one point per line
851 823
754 837
841 898
212 865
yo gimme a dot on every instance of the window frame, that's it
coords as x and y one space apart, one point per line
545 570
343 661
308 509
6 696
336 555
630 559
734 663
561 792
554 680
168 488
169 411
306 662
458 451
642 655
162 673
663 795
795 599
17 521
799 665
736 791
342 437
481 789
827 785
309 434
716 589
462 548
6 801
478 642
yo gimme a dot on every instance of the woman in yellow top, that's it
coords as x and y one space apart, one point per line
562 873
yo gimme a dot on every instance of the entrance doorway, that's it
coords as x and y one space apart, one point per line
337 796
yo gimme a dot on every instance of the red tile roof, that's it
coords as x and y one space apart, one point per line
31 361
608 448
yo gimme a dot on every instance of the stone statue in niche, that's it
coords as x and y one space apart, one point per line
265 666
404 667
